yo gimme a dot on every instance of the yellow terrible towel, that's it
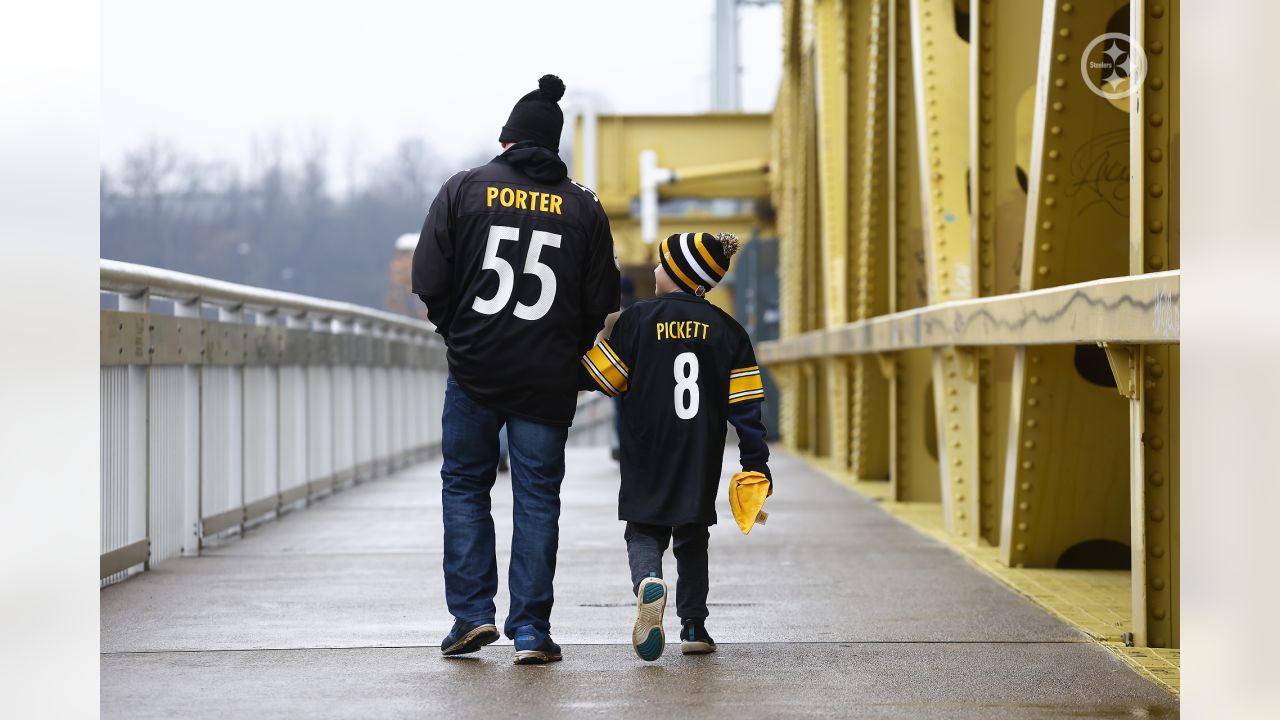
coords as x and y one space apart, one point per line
747 491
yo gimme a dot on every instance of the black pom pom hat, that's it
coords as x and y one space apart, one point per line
697 259
537 117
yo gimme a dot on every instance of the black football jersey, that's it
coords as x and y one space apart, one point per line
517 269
679 363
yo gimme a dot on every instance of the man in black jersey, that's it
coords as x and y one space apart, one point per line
517 269
684 370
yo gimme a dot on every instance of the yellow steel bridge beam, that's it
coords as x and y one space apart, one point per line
940 59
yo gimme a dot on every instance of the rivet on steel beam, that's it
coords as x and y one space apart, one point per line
1157 551
1046 247
1051 178
1155 155
1050 202
1155 406
1157 583
1033 402
1156 478
1022 526
1034 379
1060 83
1055 130
1156 47
1156 262
1029 444
1156 119
1156 84
1157 515
1024 506
1035 359
1020 546
1053 154
1057 106
1066 7
1155 226
1157 11
1027 465
1047 225
1156 443
1026 487
1061 57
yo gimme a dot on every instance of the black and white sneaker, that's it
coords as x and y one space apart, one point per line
467 637
694 639
647 636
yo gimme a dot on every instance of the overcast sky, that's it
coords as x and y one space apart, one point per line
212 76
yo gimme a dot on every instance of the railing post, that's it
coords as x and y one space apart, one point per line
175 439
124 480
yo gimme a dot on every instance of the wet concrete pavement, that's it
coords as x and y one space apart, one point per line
833 609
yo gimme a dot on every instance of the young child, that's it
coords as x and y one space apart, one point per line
682 368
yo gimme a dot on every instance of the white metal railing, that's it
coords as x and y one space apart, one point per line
224 404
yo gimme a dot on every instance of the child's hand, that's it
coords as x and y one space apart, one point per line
763 469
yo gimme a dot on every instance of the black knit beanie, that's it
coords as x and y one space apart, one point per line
537 117
694 260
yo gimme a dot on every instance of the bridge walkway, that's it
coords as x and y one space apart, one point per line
834 608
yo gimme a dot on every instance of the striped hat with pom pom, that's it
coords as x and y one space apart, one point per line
700 259
537 117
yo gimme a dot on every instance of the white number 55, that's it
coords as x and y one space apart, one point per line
507 278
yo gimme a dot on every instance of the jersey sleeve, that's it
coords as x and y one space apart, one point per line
600 284
433 261
608 362
745 384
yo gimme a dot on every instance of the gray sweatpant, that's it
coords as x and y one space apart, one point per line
645 547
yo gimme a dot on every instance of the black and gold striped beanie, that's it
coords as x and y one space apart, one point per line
697 258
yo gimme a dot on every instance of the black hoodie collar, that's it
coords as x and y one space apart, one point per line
539 163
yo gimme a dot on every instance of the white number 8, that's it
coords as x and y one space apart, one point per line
686 372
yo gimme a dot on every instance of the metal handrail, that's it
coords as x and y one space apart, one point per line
130 278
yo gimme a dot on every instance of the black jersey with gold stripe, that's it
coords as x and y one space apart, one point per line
516 266
680 364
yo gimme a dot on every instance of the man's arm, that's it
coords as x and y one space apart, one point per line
433 262
600 290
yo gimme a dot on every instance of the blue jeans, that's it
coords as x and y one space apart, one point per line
470 448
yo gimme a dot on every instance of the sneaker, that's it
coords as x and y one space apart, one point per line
694 639
468 637
534 648
647 636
